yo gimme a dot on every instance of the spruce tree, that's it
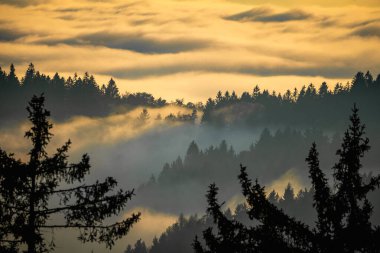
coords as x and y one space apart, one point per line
29 190
351 203
344 212
325 224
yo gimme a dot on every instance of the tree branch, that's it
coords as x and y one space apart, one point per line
72 207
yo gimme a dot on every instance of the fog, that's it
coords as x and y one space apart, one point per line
121 146
132 150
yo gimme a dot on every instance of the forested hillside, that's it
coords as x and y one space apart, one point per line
321 106
325 218
66 96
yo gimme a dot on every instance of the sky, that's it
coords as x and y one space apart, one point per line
181 49
191 49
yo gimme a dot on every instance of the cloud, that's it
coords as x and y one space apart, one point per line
324 3
267 15
364 23
90 131
152 224
105 137
7 34
192 40
246 68
69 10
21 3
368 31
136 42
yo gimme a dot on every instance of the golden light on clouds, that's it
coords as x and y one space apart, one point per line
152 224
86 132
279 185
191 49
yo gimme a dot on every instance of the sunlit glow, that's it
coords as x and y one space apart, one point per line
191 49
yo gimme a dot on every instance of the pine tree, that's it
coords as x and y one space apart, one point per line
26 191
322 202
351 203
232 236
344 213
112 91
344 217
144 116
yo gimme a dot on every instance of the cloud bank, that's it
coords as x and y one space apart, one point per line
266 15
150 44
133 42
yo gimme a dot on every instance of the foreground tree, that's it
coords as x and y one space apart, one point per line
28 192
344 212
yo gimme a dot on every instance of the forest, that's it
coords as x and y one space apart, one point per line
84 96
333 194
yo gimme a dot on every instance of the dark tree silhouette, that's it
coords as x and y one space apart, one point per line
28 192
350 208
263 108
139 247
344 213
322 202
276 231
232 235
68 96
144 116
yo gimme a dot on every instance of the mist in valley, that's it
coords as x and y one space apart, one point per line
135 150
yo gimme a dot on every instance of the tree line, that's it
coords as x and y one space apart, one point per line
342 221
67 96
326 105
343 211
84 96
220 163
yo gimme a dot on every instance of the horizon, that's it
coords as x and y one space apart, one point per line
191 49
147 134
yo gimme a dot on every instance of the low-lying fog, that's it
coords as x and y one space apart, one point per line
131 150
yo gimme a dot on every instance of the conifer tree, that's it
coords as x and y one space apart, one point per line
344 213
322 202
351 203
29 189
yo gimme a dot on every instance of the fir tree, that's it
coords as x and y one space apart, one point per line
26 191
344 213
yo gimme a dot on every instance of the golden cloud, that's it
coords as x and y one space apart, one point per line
164 42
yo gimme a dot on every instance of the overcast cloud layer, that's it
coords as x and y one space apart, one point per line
191 49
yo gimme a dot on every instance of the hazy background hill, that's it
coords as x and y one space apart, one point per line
171 151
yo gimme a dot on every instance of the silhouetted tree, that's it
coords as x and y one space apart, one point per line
232 235
144 116
111 90
277 232
32 193
140 247
344 214
322 202
323 90
350 200
73 96
271 108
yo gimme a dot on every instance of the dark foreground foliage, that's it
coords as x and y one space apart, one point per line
28 192
344 211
